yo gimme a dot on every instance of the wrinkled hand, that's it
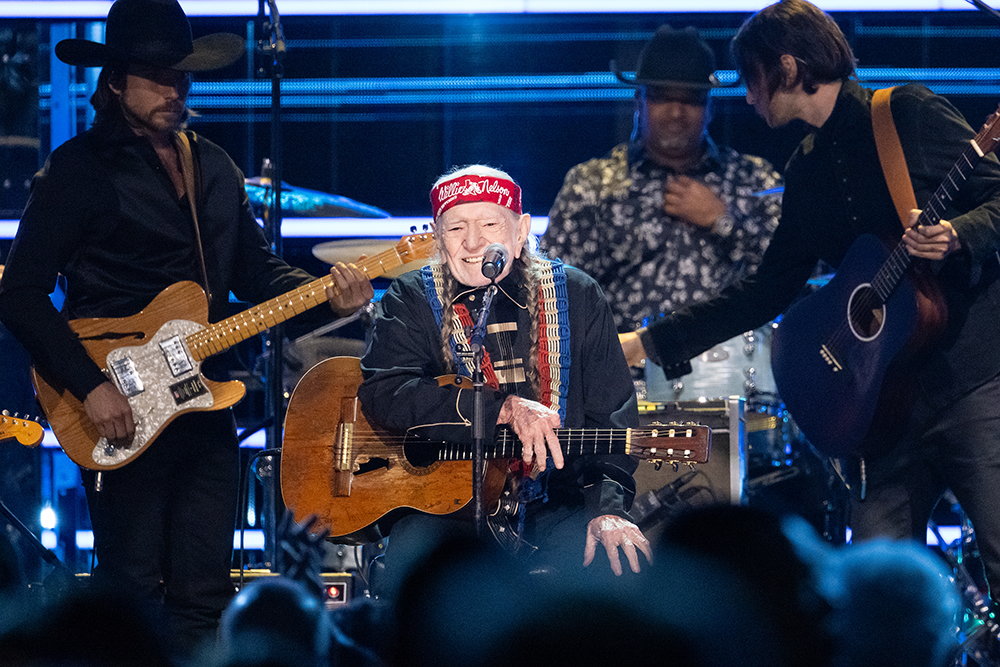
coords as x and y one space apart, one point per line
110 412
934 242
692 200
613 532
350 290
631 344
533 423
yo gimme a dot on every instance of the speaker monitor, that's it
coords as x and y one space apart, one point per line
720 480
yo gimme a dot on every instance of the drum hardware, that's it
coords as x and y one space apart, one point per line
308 203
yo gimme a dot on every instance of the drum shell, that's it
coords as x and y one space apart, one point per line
741 366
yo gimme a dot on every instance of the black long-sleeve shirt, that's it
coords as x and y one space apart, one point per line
104 213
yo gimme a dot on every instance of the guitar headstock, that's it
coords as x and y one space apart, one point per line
416 246
27 432
989 134
672 443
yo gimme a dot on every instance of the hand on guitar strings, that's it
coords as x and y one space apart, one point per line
930 242
111 413
613 532
534 425
351 289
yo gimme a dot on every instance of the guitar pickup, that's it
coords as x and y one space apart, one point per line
128 378
175 355
185 390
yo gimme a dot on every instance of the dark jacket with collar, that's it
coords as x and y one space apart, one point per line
834 192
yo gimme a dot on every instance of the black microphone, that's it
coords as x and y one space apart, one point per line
494 259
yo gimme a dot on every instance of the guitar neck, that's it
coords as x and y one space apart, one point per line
900 259
222 335
587 441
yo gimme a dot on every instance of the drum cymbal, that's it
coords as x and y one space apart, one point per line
348 250
310 203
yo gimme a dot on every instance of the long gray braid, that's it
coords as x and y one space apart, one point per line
525 269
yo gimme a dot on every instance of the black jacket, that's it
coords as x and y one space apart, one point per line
834 192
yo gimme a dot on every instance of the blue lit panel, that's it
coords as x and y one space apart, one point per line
317 228
87 9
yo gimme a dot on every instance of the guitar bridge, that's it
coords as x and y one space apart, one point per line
830 360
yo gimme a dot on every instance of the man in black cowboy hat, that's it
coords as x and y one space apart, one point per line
668 218
124 210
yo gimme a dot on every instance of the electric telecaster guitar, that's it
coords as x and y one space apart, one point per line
154 358
335 466
840 357
27 432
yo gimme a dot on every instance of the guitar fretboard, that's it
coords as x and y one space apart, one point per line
223 335
677 441
900 259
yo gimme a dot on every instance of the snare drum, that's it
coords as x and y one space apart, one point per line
741 366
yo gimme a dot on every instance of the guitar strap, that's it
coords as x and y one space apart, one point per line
191 179
890 154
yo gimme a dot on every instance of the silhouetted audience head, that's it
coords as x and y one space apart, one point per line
753 545
894 605
275 622
468 605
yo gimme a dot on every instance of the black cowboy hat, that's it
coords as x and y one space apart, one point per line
153 32
674 58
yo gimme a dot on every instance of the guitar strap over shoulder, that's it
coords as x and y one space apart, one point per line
890 154
191 174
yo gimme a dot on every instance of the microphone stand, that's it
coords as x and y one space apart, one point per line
478 425
274 48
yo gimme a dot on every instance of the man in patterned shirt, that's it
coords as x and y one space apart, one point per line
669 218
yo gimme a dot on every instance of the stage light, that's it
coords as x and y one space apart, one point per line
49 539
48 519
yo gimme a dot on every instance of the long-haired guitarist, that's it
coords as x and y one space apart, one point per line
124 211
552 360
902 354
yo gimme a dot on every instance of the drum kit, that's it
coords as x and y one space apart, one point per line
782 468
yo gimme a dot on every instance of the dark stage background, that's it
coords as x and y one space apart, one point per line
376 107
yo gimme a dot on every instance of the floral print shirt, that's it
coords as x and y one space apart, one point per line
608 220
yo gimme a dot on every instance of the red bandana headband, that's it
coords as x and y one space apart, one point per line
469 188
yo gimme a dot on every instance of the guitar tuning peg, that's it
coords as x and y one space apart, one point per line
4 413
413 229
674 466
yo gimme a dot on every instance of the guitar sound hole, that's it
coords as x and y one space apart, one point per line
867 312
420 453
371 465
